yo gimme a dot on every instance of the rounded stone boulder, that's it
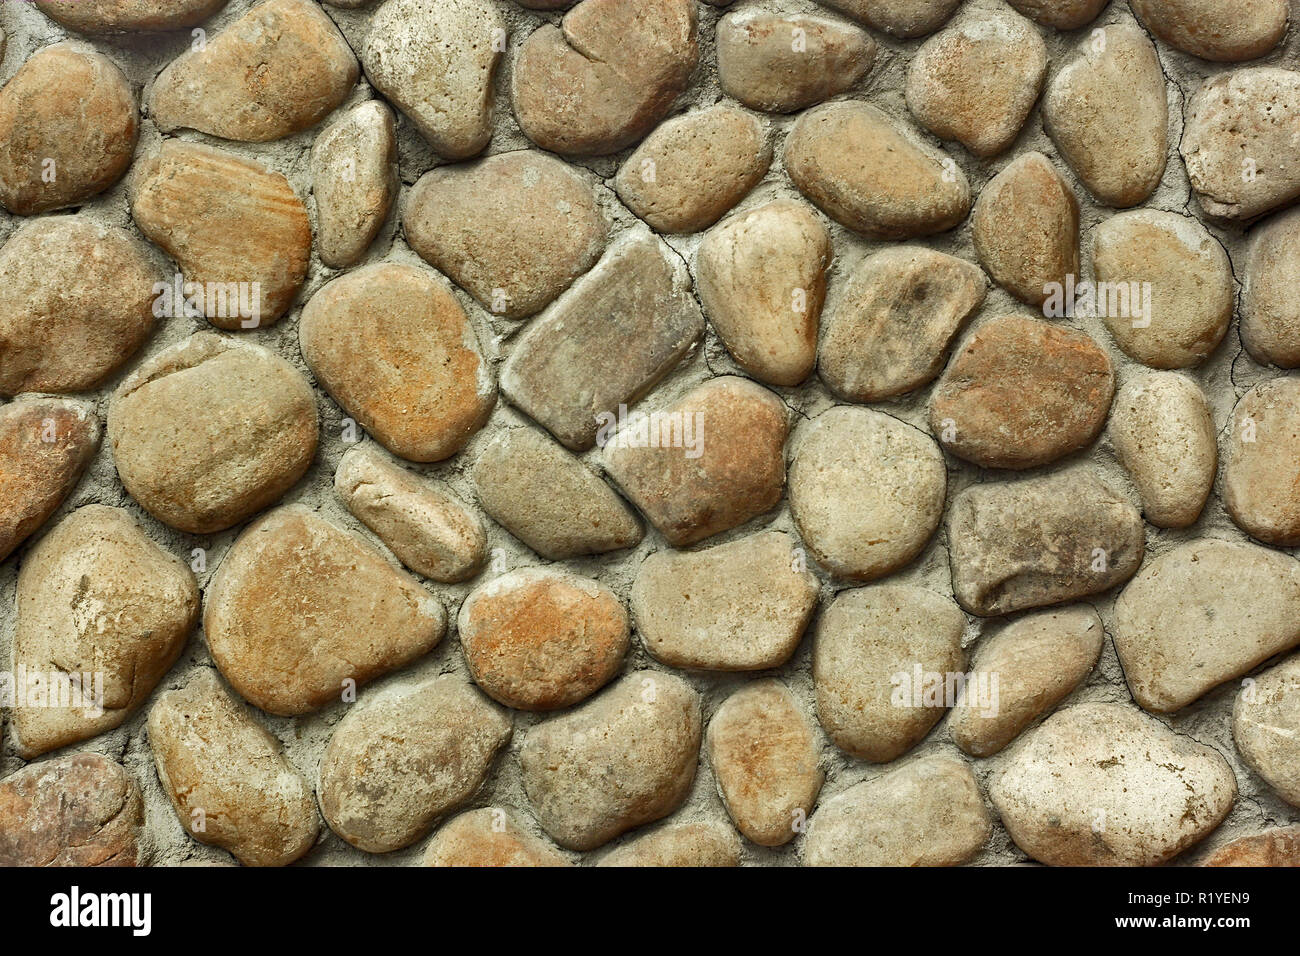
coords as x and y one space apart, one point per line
513 230
603 77
78 303
1025 228
212 430
1178 282
873 175
1216 31
300 613
1266 727
761 64
395 349
693 168
1164 436
1261 463
1062 14
1270 315
977 80
866 491
68 126
542 638
643 733
1021 393
1105 785
489 837
128 16
406 756
884 659
761 277
765 758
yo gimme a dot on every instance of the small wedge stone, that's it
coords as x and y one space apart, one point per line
928 812
1214 31
895 319
625 758
1164 436
405 757
866 491
1105 785
301 611
693 168
1201 614
1270 315
489 837
765 757
395 349
429 529
542 638
1023 672
1261 464
761 277
354 180
728 467
901 18
1041 541
737 607
876 177
227 778
682 844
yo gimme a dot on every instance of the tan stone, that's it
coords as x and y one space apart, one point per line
300 612
395 349
1164 436
760 64
606 342
550 500
739 606
693 168
1237 142
728 469
761 277
901 18
928 812
1040 541
1216 31
624 758
1192 293
227 778
45 446
1023 672
866 491
1270 315
235 228
101 602
542 638
430 530
604 76
765 757
68 125
873 175
872 653
78 302
354 180
1026 228
895 318
978 79
128 16
513 230
1105 785
1261 463
1277 847
1062 14
76 810
680 844
435 60
1106 111
280 68
210 431
1266 727
404 757
1201 614
489 837
1021 393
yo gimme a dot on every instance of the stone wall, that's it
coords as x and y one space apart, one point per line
840 500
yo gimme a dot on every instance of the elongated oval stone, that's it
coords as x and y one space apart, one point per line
128 16
354 180
1216 31
1266 727
1062 14
300 611
874 176
489 837
1261 463
682 844
1270 316
900 18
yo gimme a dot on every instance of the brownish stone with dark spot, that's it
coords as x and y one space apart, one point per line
78 810
1277 847
542 638
1021 393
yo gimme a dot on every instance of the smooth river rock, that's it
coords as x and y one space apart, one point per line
680 844
1266 727
1216 31
1261 463
354 180
901 18
489 837
1270 315
128 16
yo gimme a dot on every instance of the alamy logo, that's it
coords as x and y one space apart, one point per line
978 690
656 430
215 300
74 909
56 689
1113 300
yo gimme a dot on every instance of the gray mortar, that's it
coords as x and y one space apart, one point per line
1227 375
